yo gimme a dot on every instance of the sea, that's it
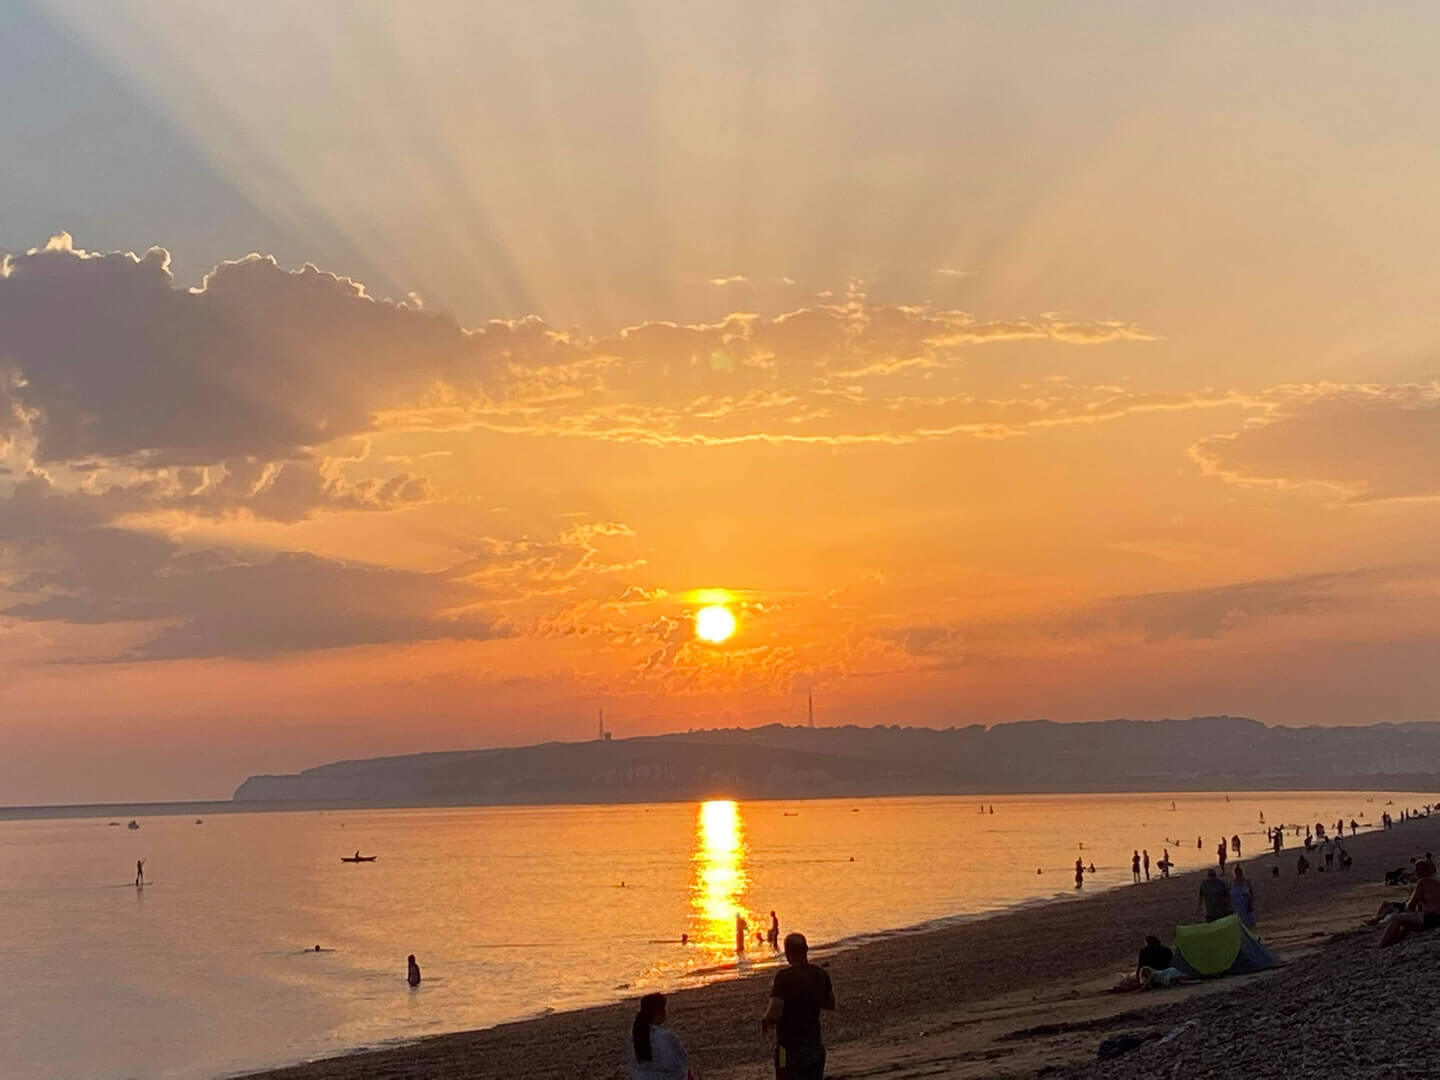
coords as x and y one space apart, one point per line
211 967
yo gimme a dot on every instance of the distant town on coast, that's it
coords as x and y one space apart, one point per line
1200 753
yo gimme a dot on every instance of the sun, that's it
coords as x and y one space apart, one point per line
714 623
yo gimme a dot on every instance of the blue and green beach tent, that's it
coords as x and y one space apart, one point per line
1222 947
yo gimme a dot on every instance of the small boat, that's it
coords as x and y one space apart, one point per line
199 821
358 858
133 824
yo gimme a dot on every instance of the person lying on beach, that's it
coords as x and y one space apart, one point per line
1422 910
655 1052
1149 979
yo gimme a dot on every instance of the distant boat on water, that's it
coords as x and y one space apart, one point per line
357 857
133 824
199 821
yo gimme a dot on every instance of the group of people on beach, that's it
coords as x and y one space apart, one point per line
799 993
742 934
1217 899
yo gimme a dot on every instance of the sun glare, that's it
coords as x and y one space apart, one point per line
714 623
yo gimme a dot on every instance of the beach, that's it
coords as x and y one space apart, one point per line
1007 995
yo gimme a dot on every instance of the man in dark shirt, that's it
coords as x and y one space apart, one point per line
1214 897
1154 956
800 991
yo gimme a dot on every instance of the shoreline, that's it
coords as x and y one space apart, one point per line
996 965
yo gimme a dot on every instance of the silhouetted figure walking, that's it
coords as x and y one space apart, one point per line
1221 851
1135 868
1079 873
139 872
412 970
1145 861
1235 844
774 935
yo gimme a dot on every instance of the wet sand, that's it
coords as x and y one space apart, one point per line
1003 996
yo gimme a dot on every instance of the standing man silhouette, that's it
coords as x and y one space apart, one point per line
798 994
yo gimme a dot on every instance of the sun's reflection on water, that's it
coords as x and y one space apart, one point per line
718 878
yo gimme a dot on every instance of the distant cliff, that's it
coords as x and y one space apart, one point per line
1202 753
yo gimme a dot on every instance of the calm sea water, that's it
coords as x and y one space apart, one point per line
211 967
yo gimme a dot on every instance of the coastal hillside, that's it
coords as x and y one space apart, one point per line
1202 753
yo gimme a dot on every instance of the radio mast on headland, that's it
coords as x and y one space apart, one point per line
810 702
601 735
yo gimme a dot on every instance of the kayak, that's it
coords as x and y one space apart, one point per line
358 858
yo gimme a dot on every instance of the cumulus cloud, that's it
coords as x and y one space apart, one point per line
107 358
1362 442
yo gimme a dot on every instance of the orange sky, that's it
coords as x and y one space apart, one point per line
994 364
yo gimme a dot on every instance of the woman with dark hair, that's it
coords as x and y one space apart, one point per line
655 1050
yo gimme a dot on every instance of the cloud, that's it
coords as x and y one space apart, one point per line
66 561
73 566
1184 614
1364 443
108 360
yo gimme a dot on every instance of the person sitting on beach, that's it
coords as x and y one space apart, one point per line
412 969
1422 910
1153 954
1242 898
1214 897
655 1052
797 995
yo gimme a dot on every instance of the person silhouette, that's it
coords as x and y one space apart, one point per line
1145 859
1135 868
412 970
139 872
1079 873
773 936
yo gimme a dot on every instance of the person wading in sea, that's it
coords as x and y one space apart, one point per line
798 994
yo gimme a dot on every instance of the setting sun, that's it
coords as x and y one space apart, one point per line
714 623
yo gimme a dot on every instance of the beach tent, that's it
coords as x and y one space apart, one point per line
1222 947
